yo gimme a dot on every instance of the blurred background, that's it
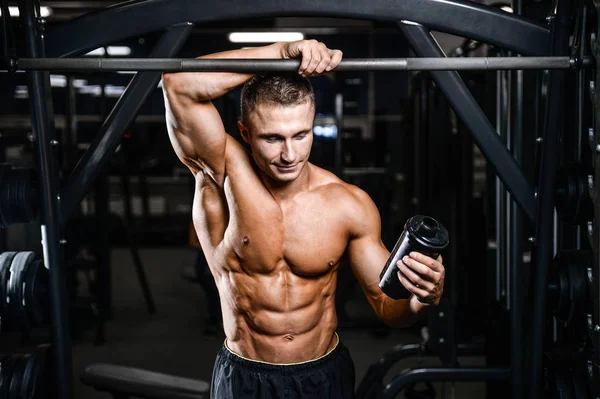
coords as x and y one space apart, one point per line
140 293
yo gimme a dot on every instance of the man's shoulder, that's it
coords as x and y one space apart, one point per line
342 193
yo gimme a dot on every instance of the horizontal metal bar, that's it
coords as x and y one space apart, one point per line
443 374
267 65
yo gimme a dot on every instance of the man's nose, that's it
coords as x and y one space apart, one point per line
288 154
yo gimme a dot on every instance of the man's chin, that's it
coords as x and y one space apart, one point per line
284 177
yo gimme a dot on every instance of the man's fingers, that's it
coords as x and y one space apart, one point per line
416 279
306 58
336 58
325 59
317 59
420 293
424 271
426 260
315 55
322 65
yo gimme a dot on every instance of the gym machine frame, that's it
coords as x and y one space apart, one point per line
462 18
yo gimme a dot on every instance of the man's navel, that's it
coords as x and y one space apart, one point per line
288 337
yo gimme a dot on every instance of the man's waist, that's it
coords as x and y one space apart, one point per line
331 349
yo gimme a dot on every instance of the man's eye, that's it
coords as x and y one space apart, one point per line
300 136
271 139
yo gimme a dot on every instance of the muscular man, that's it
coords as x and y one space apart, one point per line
275 227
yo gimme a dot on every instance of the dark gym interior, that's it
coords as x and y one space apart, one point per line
104 287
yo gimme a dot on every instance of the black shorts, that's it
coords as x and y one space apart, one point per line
330 376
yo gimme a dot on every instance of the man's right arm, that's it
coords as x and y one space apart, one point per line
194 124
195 127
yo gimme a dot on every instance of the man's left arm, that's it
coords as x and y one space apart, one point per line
420 274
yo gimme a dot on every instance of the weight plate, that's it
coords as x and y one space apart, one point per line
15 285
35 293
4 168
26 304
8 365
35 379
6 259
17 376
28 383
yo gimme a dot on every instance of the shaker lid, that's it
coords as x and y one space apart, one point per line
428 232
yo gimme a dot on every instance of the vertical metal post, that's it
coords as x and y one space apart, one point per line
70 130
130 232
5 19
580 101
42 125
544 222
2 160
500 193
339 148
102 253
508 203
516 256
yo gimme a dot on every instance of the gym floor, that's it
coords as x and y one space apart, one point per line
172 340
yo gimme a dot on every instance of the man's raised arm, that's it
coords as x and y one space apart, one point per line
195 126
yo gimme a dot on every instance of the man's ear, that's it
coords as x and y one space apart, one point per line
244 132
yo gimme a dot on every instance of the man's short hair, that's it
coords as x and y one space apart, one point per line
275 89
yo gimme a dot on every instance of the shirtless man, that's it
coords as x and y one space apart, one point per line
274 229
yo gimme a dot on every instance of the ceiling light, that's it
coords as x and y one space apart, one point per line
113 91
79 83
264 37
98 52
21 92
14 11
94 90
118 50
58 81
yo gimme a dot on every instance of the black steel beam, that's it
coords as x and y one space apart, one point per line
459 17
546 189
124 113
516 245
42 127
267 65
482 131
443 374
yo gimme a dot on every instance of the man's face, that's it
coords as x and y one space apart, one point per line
280 138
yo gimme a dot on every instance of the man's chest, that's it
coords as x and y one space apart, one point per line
308 238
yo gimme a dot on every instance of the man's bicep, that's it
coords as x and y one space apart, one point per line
367 256
366 253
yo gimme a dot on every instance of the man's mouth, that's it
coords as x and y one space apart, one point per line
286 167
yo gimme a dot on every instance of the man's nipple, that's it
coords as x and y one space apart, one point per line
246 240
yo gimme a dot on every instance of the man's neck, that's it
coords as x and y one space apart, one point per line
288 190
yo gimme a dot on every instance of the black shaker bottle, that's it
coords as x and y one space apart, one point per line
422 234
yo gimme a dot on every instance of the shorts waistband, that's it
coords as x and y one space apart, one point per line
232 356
